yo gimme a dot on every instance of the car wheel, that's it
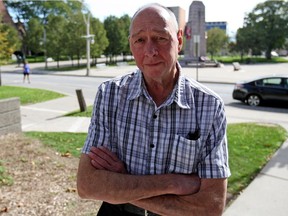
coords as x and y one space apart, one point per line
253 100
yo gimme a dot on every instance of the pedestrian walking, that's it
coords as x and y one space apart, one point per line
26 71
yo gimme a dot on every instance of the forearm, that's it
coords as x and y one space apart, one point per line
207 201
118 188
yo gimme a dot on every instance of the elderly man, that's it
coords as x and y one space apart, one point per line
157 141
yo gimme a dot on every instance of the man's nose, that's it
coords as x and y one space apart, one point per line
151 49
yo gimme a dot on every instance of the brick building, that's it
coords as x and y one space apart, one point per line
7 19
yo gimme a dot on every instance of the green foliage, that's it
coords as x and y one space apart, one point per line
217 40
55 36
5 179
249 59
265 29
28 95
117 35
9 41
34 36
56 28
100 40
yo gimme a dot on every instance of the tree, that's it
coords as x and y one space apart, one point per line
56 39
100 40
40 11
246 41
74 31
116 35
34 36
9 42
125 23
268 26
217 40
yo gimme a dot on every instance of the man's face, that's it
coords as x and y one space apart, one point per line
155 43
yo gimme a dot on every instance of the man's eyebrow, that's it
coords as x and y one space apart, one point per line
158 31
136 33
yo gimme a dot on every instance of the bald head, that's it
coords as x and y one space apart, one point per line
164 12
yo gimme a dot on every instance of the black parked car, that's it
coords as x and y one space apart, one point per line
256 92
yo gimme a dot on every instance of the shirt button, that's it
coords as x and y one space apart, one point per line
154 116
152 145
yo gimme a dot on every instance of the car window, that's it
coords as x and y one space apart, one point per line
272 82
284 83
259 82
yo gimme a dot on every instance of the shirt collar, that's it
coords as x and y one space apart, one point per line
178 95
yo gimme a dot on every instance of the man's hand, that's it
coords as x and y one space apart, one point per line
103 159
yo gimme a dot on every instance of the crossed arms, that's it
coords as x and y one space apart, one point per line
102 176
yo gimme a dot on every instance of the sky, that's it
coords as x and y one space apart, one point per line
231 11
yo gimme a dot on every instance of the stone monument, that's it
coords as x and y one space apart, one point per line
195 32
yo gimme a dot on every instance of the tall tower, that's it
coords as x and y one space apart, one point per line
195 32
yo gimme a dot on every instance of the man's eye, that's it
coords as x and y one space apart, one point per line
139 40
160 39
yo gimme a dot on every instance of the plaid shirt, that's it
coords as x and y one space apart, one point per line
186 134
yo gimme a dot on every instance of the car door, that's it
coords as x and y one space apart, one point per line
274 89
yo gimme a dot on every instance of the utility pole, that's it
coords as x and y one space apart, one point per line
45 45
89 39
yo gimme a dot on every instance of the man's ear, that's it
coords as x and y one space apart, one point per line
180 39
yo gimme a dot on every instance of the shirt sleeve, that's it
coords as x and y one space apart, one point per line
214 163
97 132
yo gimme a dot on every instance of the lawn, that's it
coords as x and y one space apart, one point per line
87 113
250 148
28 95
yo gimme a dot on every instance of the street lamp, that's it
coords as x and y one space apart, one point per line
89 39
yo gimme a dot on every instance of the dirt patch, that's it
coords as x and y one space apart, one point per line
44 181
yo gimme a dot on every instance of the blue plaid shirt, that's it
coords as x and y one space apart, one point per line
186 134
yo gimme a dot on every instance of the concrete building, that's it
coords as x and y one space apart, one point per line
180 16
221 25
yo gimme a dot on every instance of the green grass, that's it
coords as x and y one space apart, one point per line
77 113
62 142
250 148
28 95
249 60
5 179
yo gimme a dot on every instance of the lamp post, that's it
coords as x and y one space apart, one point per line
89 39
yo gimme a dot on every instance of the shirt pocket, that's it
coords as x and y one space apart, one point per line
185 155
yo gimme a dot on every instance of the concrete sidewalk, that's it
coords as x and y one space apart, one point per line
265 196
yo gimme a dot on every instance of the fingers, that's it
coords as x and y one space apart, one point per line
104 153
103 158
